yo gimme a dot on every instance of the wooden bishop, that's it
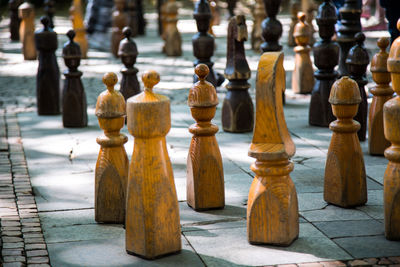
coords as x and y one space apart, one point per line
152 218
357 62
76 17
271 27
256 33
14 19
112 163
303 73
48 75
171 35
74 112
382 92
205 175
49 9
272 207
391 117
128 53
345 179
326 57
294 10
26 13
237 109
119 21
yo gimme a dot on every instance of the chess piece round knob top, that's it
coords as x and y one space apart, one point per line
127 32
71 35
301 16
203 93
358 55
71 49
110 103
201 71
110 79
45 21
150 78
345 92
360 38
383 43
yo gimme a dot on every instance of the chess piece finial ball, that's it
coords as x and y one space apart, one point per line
150 78
301 16
127 31
110 79
383 43
110 103
201 71
45 21
349 96
71 35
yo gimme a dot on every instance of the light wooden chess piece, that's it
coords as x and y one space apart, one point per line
382 92
171 35
112 163
205 175
345 179
272 207
119 21
294 10
26 13
391 117
303 73
76 17
256 33
152 218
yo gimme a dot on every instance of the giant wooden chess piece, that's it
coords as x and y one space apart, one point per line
132 17
48 75
76 16
205 175
345 179
26 13
119 21
141 20
49 9
128 53
256 33
308 7
391 117
294 10
303 73
272 207
14 19
231 7
382 92
152 217
74 112
357 62
171 35
271 27
112 165
203 42
326 57
350 25
237 109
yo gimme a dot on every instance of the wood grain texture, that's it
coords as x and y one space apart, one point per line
294 9
14 19
382 92
76 17
256 33
171 36
112 165
271 27
345 178
303 73
26 13
237 109
152 218
272 207
391 116
204 175
119 21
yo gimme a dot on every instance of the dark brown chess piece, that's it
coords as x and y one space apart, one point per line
382 92
272 27
119 21
256 33
49 9
205 175
237 109
141 20
160 3
203 42
345 182
326 57
74 112
132 17
303 73
357 62
171 35
231 7
48 75
26 13
294 9
128 53
14 19
350 25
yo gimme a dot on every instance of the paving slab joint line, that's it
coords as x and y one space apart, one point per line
198 255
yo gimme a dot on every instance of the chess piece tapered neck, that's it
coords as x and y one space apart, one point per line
71 52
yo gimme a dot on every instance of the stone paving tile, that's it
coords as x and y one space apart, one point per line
368 246
333 213
351 228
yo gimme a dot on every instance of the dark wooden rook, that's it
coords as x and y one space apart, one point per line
48 75
357 62
49 9
128 53
14 19
272 27
203 42
74 112
350 25
326 57
237 109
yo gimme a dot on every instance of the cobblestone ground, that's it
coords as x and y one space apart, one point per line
22 240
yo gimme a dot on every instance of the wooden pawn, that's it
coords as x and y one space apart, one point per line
382 92
272 207
205 175
256 33
76 17
152 218
303 73
294 10
119 21
345 179
26 13
271 27
171 35
112 163
391 117
14 19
